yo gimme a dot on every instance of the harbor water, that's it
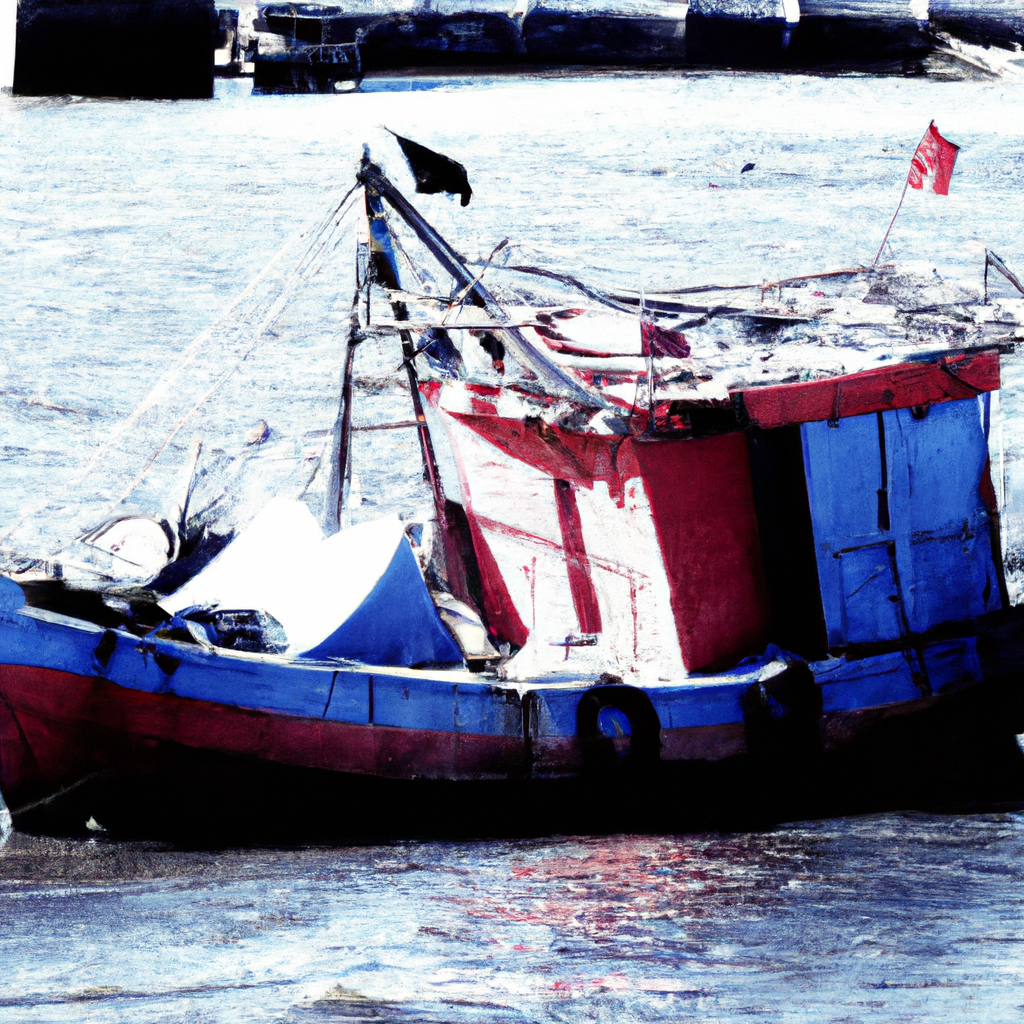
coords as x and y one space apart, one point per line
129 231
132 228
901 917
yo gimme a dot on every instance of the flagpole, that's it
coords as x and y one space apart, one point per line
903 195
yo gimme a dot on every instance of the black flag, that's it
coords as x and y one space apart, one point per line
435 172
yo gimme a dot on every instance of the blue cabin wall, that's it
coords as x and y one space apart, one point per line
900 527
950 542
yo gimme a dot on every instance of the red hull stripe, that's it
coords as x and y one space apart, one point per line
56 727
893 387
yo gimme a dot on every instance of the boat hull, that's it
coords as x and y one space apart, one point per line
159 737
77 750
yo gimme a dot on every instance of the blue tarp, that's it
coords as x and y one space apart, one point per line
357 595
397 623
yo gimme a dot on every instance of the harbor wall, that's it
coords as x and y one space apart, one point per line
159 49
883 36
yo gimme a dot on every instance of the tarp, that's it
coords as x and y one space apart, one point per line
357 595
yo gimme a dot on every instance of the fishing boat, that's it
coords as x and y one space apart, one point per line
667 580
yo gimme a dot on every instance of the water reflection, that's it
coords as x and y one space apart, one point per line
910 916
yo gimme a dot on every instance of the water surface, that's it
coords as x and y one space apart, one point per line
896 917
129 227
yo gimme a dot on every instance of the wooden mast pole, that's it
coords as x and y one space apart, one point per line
384 269
345 431
903 196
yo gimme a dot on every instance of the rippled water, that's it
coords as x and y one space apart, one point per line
896 917
128 227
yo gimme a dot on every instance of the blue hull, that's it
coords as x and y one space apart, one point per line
86 711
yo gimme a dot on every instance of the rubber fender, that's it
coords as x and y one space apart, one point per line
781 714
105 649
617 724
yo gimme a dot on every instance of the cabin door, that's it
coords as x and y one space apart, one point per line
900 528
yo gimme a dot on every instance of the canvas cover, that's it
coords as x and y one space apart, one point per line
357 595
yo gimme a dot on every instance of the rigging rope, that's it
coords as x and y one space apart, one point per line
251 306
297 276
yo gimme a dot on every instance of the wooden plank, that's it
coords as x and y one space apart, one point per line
929 560
891 387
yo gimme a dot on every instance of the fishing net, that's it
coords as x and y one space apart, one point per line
246 410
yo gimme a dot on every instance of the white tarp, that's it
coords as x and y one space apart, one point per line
283 564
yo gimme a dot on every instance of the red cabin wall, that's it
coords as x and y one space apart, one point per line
891 387
702 500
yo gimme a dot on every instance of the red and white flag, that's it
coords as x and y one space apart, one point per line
934 158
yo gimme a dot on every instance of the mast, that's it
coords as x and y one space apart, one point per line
383 268
460 567
344 424
378 186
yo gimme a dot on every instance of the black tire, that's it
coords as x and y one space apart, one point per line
602 751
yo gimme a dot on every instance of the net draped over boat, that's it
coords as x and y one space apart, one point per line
244 411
